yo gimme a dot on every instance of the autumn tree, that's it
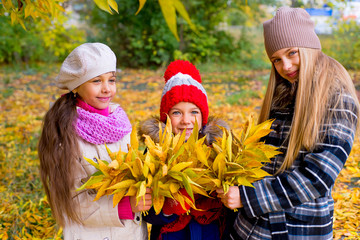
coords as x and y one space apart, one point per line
21 11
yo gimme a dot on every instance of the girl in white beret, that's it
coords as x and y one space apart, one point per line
313 101
78 125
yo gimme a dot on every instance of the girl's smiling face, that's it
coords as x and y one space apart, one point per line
287 63
98 91
182 116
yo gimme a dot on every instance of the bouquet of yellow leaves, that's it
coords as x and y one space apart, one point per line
238 160
165 168
173 164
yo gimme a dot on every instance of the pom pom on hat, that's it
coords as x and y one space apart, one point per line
184 67
85 62
183 84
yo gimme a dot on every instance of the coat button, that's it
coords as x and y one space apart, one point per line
106 238
137 218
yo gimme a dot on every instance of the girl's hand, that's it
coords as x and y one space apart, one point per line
142 206
231 199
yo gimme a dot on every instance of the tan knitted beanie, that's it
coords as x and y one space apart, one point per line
85 62
291 27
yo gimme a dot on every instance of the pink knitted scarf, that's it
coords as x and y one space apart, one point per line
99 129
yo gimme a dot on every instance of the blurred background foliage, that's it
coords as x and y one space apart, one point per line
41 42
145 41
229 34
344 44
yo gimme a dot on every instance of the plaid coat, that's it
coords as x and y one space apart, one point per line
297 204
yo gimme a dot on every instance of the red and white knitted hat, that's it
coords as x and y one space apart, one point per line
183 84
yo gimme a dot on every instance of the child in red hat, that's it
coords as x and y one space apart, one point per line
185 101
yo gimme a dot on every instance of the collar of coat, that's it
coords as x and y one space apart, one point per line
211 130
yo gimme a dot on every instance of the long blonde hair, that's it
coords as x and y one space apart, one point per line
320 78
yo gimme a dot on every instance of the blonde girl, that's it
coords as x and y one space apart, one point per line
78 125
312 99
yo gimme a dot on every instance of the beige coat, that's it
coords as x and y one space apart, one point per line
100 220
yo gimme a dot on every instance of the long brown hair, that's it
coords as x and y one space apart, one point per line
58 149
322 82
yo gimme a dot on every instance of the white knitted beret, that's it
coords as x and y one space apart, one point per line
85 62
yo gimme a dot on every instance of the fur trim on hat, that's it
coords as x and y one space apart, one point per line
211 130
